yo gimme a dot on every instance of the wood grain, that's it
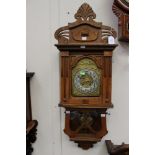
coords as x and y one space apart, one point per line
85 117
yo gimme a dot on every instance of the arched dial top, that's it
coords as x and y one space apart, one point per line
86 78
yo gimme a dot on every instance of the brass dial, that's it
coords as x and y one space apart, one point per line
85 79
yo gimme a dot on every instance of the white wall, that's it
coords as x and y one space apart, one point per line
43 18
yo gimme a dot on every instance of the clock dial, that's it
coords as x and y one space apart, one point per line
85 79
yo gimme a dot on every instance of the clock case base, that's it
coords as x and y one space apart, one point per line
85 126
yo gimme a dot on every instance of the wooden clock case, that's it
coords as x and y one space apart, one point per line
31 125
121 10
112 149
85 116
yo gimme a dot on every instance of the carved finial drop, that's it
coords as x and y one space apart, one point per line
85 13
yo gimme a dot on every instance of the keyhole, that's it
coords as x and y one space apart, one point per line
84 36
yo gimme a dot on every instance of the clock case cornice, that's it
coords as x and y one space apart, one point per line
85 47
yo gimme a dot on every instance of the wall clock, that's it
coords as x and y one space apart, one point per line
121 10
86 72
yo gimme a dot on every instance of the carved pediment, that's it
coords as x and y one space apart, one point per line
120 6
85 29
85 13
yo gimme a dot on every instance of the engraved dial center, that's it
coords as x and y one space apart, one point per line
86 81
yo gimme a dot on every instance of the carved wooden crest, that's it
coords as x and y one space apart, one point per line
120 7
121 10
85 13
84 29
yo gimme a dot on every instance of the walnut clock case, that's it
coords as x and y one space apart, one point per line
86 73
121 10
